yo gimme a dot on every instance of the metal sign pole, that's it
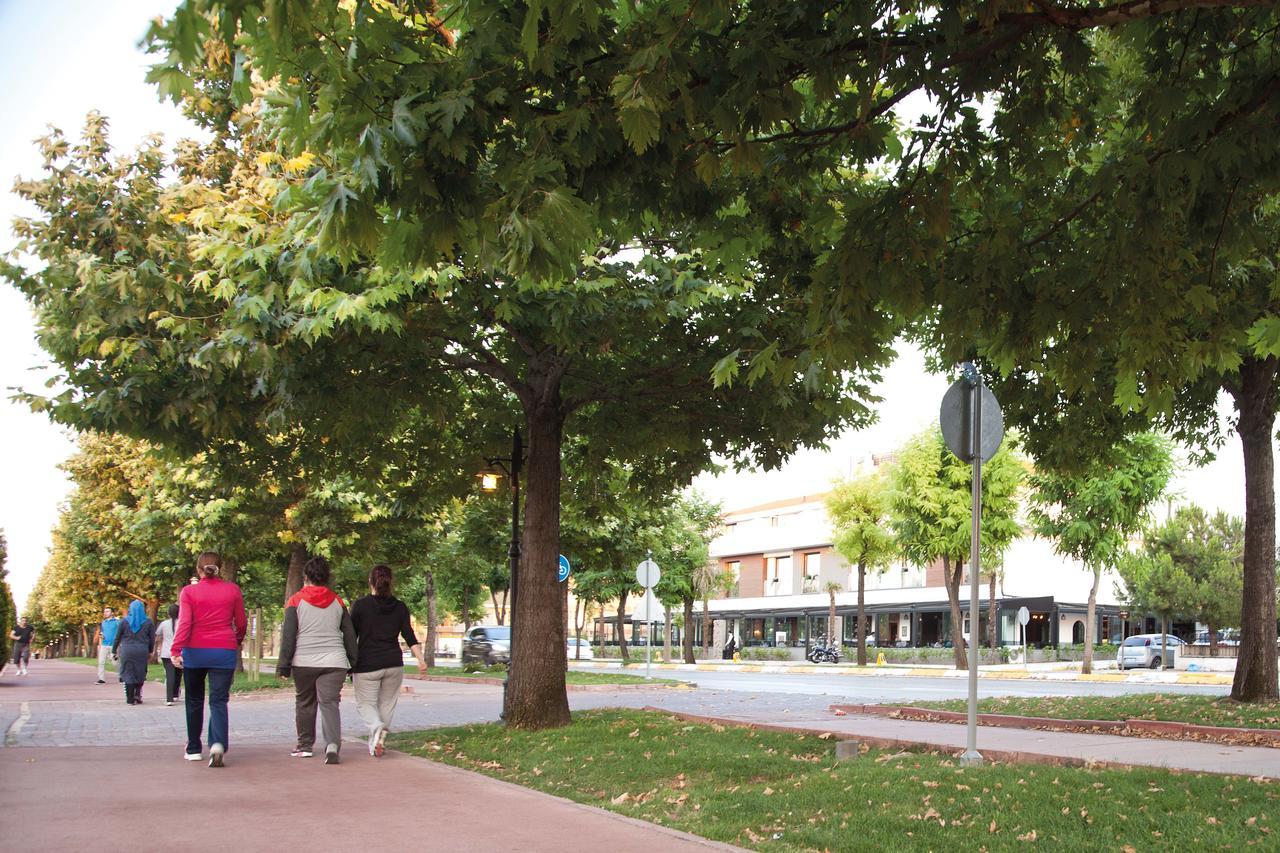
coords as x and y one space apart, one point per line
648 622
971 755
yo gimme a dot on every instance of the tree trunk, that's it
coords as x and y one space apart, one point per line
293 579
862 613
499 612
581 610
951 578
666 633
1091 613
706 629
466 609
1256 676
688 631
432 622
1164 642
621 623
536 696
992 611
1213 640
600 631
833 638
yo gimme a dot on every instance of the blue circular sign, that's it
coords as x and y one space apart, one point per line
564 569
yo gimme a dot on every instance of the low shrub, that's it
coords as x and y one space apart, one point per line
765 653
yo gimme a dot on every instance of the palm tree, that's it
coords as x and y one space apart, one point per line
832 589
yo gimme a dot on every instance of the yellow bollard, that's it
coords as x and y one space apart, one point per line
737 658
880 659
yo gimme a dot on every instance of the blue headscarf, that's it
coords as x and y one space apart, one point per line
137 616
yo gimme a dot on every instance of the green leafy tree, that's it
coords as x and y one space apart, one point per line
1203 557
1090 514
1124 218
683 553
8 612
932 512
443 225
859 513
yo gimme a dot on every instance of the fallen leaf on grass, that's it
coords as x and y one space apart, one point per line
768 792
826 736
1030 836
635 733
992 828
621 798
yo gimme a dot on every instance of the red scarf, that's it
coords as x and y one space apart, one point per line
316 596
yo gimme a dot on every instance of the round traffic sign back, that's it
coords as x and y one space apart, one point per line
956 419
647 574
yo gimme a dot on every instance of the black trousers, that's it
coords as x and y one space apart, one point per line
172 679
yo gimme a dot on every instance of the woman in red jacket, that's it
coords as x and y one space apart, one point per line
211 627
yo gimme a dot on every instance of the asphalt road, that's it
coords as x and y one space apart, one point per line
888 688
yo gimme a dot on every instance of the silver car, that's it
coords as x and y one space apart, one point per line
487 644
1145 650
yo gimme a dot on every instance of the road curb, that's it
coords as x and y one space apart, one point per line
1206 679
572 688
1003 756
1134 728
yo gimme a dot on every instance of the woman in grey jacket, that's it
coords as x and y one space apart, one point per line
317 649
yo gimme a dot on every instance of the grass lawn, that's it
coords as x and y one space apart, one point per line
155 672
570 677
1170 707
775 791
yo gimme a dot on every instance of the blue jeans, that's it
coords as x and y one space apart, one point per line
193 679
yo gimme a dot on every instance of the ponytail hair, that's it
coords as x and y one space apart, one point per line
380 580
173 615
209 564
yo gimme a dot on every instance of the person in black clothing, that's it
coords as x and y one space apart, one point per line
380 620
21 636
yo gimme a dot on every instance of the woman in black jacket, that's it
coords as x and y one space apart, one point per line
381 620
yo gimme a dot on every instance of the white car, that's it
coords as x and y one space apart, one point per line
573 646
1144 650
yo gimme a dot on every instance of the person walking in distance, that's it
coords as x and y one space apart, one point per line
164 649
134 641
21 636
105 637
317 650
380 621
211 627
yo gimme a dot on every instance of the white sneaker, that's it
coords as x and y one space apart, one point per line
168 702
215 754
374 737
192 756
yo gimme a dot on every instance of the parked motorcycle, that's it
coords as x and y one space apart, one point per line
823 652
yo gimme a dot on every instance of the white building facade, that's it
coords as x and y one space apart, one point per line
780 557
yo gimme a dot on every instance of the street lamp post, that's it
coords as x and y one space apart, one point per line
489 483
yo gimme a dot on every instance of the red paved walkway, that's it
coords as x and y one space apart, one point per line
107 798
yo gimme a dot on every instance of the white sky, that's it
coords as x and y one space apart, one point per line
58 60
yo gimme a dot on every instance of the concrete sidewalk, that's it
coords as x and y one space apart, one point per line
1002 744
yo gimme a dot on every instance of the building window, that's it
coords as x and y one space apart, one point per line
735 571
778 580
812 571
